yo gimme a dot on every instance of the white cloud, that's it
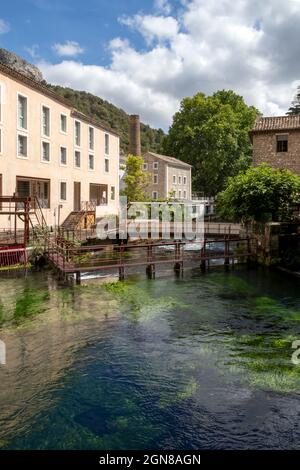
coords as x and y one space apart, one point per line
4 26
163 6
249 46
160 28
33 51
68 49
118 43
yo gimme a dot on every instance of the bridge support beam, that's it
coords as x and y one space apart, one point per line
78 278
150 271
178 268
121 273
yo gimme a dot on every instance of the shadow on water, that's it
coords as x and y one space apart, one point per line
198 362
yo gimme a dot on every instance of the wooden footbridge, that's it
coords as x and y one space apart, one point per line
76 260
65 251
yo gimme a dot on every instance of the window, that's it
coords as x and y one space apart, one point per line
179 194
282 143
22 112
45 152
112 193
145 166
184 194
32 187
77 133
155 165
174 179
77 159
63 123
63 191
154 195
91 138
106 163
63 155
22 146
184 180
45 121
179 179
106 144
155 179
91 162
99 194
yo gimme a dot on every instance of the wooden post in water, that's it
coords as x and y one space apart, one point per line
202 256
150 269
78 278
121 273
226 253
178 262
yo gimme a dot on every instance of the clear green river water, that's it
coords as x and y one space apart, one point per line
201 362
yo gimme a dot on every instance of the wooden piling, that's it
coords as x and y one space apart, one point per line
121 273
150 271
226 253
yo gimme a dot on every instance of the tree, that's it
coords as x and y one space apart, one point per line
211 134
295 106
259 194
136 180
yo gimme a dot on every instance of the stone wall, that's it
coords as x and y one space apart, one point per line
265 150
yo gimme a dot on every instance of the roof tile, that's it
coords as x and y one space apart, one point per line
277 123
170 160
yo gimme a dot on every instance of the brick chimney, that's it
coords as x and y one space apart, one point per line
135 135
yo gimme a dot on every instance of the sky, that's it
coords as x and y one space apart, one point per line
145 56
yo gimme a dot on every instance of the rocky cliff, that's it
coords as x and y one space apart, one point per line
20 65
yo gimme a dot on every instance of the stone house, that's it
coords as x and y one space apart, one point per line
276 141
168 176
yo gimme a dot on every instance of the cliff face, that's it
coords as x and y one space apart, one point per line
20 65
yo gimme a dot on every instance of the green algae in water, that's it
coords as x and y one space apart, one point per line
265 362
31 302
141 303
189 390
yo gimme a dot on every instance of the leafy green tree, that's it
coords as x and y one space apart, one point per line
295 106
260 194
136 180
211 134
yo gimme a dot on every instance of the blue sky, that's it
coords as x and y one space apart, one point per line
92 23
145 56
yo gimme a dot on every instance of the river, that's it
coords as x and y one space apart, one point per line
200 362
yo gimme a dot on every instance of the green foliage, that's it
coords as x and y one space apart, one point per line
211 133
136 180
111 116
259 194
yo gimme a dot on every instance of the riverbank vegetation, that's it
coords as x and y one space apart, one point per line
260 194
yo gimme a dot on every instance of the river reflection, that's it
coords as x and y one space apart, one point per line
199 362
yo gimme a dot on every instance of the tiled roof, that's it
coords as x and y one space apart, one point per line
42 88
170 160
277 123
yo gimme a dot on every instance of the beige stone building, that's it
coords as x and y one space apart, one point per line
276 141
168 177
50 150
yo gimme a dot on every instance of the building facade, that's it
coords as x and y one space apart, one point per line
276 141
169 177
50 150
